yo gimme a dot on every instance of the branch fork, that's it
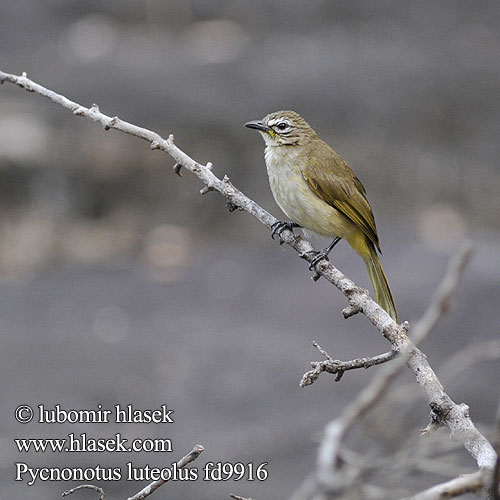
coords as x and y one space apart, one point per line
338 368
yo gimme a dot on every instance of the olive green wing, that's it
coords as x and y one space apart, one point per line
334 182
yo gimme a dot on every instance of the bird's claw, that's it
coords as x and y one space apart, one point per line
319 256
279 226
323 254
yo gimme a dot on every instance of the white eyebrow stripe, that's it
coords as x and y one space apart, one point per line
278 120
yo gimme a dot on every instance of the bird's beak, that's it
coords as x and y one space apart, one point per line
258 125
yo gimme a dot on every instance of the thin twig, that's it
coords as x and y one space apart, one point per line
337 367
192 455
470 483
86 486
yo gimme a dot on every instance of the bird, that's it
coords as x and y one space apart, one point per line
318 191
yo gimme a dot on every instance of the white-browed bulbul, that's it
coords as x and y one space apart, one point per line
318 191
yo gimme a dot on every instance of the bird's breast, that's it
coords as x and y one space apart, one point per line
287 184
293 195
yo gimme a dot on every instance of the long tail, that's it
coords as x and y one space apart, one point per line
383 294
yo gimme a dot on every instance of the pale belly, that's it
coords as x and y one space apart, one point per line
300 204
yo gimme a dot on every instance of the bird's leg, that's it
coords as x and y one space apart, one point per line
323 254
279 226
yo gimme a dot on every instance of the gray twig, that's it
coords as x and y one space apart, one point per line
470 483
192 455
337 367
85 486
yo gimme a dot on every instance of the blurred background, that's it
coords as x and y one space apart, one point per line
120 284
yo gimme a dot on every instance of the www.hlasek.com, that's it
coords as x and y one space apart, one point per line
85 444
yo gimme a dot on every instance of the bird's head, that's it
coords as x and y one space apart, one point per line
283 128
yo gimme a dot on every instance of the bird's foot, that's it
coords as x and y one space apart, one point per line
317 257
323 254
279 226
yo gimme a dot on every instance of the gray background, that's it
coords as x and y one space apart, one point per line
119 283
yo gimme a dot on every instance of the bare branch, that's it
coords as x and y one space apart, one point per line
87 486
337 367
359 300
332 476
192 455
447 412
470 483
444 410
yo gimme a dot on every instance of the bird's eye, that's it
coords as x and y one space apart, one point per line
282 125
